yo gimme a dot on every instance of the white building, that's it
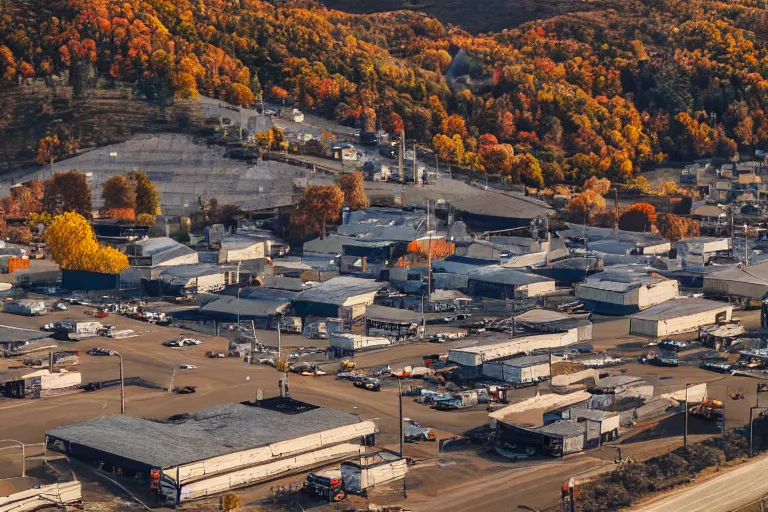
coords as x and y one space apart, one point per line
611 296
519 370
679 316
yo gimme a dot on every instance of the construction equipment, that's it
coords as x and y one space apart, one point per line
347 365
708 408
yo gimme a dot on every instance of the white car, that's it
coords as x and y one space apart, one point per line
189 342
188 367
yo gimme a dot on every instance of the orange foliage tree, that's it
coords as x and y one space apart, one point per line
319 206
581 207
638 217
67 191
675 227
354 190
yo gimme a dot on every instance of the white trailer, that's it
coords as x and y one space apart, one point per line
358 342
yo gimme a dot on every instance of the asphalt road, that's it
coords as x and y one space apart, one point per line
724 493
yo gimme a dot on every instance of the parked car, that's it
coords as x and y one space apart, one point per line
270 112
415 432
369 383
98 351
190 342
188 367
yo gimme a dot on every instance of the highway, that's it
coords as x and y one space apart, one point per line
724 493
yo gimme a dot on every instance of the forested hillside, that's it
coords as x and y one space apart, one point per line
599 93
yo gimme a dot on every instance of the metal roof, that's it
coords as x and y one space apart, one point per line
538 315
9 334
339 290
203 434
260 302
753 274
191 271
677 308
391 314
564 428
525 361
504 275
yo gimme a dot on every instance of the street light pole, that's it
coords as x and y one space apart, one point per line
122 383
23 455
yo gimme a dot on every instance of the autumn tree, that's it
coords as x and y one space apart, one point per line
119 196
638 217
67 192
73 246
147 199
392 123
675 227
581 207
320 206
600 185
354 190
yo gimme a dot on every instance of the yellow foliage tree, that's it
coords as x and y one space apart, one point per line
73 246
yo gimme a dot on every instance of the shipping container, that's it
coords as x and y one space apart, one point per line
358 342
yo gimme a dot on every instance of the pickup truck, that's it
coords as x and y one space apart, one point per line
414 432
326 485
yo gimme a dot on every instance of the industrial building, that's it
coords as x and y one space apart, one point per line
348 343
608 295
695 253
544 320
743 282
609 422
341 297
519 370
392 323
499 282
262 305
556 439
162 251
216 449
38 383
495 346
679 316
185 280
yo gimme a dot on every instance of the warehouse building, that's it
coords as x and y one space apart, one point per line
495 346
742 282
609 295
495 281
519 370
391 323
341 297
556 439
695 253
161 251
262 305
216 449
609 422
544 320
679 316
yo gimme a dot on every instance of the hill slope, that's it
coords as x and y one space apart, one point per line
473 15
598 93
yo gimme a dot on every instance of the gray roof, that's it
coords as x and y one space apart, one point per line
592 414
538 315
618 380
504 275
9 334
391 314
525 361
752 274
191 271
339 289
679 308
259 302
151 246
565 428
202 434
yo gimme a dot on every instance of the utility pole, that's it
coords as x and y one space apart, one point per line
685 432
238 293
616 205
746 244
122 383
401 158
402 424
